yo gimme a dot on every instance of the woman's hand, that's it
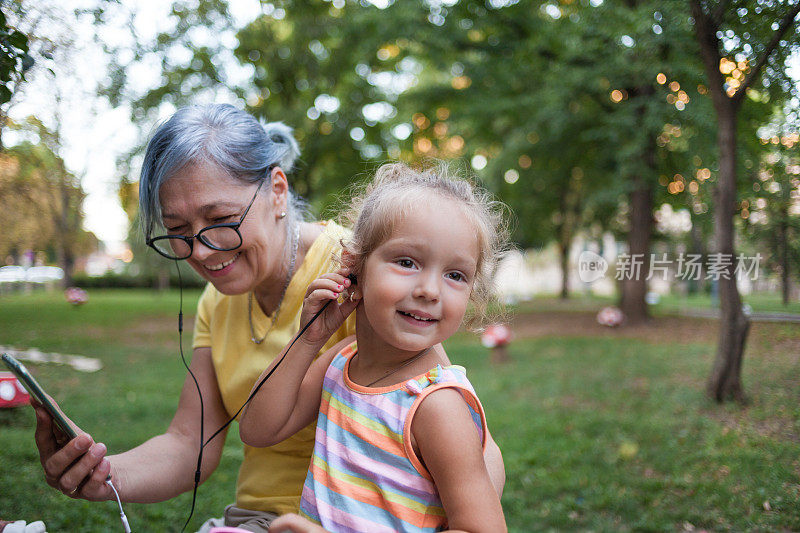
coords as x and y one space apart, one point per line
76 467
292 523
321 291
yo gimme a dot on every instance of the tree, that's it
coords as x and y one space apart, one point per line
566 109
494 85
14 58
14 63
310 71
42 201
654 84
771 207
305 65
755 39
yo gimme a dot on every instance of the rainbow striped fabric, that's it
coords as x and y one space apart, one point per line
364 475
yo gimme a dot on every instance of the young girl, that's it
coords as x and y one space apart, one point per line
400 432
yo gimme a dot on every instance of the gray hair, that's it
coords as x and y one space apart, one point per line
220 134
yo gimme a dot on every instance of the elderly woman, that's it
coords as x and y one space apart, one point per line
214 192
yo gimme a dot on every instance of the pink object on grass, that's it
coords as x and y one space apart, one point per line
610 316
12 393
496 335
76 295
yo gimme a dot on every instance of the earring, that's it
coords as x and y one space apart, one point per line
282 215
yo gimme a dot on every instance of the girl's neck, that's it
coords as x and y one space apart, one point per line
377 359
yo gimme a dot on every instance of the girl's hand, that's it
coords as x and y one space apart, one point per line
76 467
292 523
321 291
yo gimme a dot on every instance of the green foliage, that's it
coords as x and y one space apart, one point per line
111 280
571 104
309 73
771 220
562 100
302 66
14 58
40 200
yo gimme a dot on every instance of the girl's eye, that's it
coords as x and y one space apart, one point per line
456 276
405 263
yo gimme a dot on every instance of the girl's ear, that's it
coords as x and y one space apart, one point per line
349 262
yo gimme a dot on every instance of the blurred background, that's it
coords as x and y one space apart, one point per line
632 140
594 121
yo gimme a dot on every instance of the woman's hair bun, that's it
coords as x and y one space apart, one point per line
280 133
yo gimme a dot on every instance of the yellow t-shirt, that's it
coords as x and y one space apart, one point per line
270 479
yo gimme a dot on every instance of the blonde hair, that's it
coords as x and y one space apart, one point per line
396 188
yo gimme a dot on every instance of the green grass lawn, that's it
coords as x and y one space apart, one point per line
764 302
760 302
603 432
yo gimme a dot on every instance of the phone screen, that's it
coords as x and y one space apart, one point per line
36 391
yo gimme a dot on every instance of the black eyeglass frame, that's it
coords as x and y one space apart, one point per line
199 235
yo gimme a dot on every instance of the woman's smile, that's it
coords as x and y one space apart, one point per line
222 268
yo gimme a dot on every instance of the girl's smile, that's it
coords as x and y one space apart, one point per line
418 318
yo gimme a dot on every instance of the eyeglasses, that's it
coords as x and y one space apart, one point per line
222 237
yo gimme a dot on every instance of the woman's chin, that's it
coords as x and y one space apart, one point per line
228 285
225 283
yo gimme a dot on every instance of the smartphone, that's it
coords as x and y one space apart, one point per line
37 393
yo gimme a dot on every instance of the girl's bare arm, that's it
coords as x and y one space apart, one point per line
289 400
450 447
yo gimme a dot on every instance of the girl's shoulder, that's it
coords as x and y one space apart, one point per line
443 394
342 350
439 377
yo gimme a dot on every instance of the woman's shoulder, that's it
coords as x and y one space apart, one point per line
211 300
333 233
324 253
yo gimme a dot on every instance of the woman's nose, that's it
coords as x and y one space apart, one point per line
201 252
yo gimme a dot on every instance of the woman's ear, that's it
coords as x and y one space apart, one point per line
279 185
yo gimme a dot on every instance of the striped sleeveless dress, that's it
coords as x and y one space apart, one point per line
364 475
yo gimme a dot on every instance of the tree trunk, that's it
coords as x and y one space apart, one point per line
725 380
68 264
66 260
634 290
783 236
634 285
61 216
569 211
563 256
162 280
698 247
